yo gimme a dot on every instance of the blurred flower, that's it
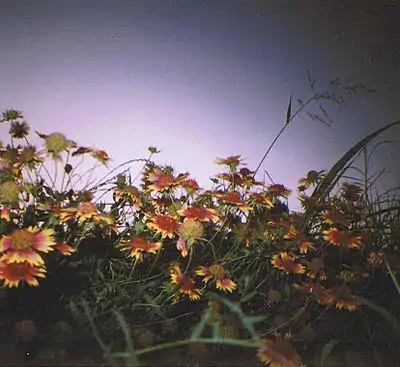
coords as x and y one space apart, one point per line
9 192
130 192
85 211
199 213
233 198
65 249
190 185
313 178
56 143
261 199
138 245
11 115
351 192
5 213
164 224
218 273
342 238
19 130
287 263
161 181
278 190
334 217
12 274
185 283
182 247
24 244
191 229
278 352
316 267
232 161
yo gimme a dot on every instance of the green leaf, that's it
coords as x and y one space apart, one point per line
199 328
251 320
246 298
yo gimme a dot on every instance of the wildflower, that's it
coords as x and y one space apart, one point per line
351 192
130 192
233 198
164 224
310 203
232 161
278 190
261 199
23 245
19 130
287 263
56 143
185 283
199 213
190 185
13 273
161 181
334 217
9 192
85 211
100 155
5 213
342 238
304 243
138 245
316 267
278 352
11 115
343 299
217 272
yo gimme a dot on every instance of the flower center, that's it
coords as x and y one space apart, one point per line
21 239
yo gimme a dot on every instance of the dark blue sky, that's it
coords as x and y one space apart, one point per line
201 79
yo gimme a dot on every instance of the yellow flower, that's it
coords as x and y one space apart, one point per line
185 283
191 229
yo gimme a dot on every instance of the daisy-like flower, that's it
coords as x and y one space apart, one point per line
343 299
5 213
161 181
261 199
323 296
164 224
278 352
185 283
85 211
334 217
13 273
278 190
287 263
310 203
232 162
19 130
316 269
190 185
199 213
233 198
342 238
100 155
191 230
218 273
232 178
23 245
138 245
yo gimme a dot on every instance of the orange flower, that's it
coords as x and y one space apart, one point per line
233 198
217 272
185 283
334 217
316 267
164 224
232 178
342 238
278 352
24 244
85 211
162 181
138 245
199 213
100 155
287 263
313 178
322 295
65 249
261 199
190 185
343 299
278 190
304 243
13 273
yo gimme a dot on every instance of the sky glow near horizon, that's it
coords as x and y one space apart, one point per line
202 79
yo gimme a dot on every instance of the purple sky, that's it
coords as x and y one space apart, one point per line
202 79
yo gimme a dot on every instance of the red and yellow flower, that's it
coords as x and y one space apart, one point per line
138 245
164 224
185 283
199 213
232 161
218 273
334 217
24 245
85 211
261 199
278 190
337 237
65 249
13 273
161 181
287 263
278 352
233 198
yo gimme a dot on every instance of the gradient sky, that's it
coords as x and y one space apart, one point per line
203 79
